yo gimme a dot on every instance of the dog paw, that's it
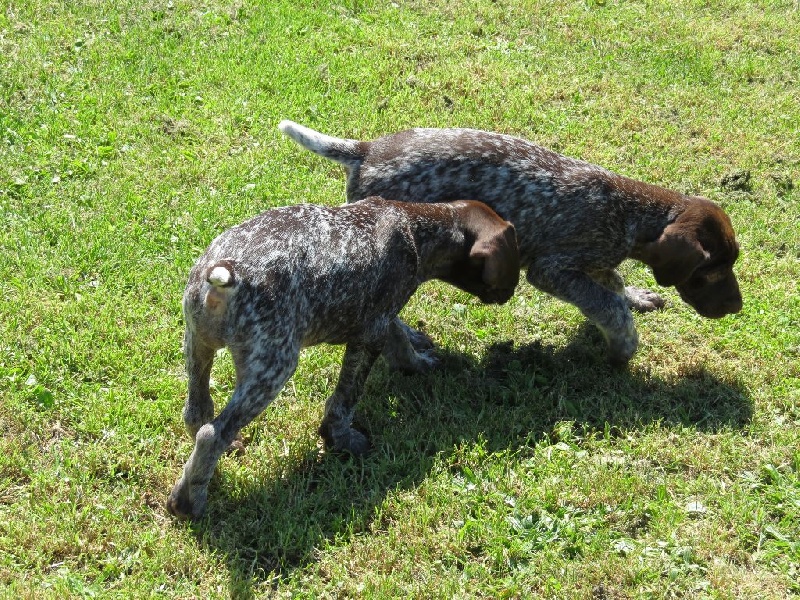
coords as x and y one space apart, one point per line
622 346
410 351
347 440
357 444
181 506
412 362
237 447
642 300
418 339
425 361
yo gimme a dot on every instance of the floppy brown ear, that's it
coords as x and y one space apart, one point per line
674 256
499 255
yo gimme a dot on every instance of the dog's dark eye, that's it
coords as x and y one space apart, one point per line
716 275
709 274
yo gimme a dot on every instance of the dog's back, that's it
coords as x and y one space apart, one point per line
316 270
426 165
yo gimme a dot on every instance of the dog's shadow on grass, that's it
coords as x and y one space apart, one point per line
511 397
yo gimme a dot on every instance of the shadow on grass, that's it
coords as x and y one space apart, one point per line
512 397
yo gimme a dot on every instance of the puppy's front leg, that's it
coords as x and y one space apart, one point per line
336 427
638 299
607 309
408 350
643 300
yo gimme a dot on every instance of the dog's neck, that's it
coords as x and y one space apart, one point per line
437 241
649 208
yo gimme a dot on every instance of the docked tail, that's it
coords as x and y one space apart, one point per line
222 278
348 152
221 274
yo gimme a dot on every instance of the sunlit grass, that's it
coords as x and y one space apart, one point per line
131 134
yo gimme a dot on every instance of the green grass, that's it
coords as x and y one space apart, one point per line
133 133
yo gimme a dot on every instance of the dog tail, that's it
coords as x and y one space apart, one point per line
222 278
221 274
348 152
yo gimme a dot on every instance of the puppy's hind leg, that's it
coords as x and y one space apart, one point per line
261 375
199 407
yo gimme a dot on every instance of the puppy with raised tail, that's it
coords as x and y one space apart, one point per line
576 222
302 275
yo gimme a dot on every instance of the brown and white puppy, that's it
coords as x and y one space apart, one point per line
302 275
576 222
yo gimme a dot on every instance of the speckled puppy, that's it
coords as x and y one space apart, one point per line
302 275
575 221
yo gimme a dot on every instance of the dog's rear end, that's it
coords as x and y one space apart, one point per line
307 274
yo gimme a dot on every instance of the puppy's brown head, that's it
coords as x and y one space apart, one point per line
490 271
695 253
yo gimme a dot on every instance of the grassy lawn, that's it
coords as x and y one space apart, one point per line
133 133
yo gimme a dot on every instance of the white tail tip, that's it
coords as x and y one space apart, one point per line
220 277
